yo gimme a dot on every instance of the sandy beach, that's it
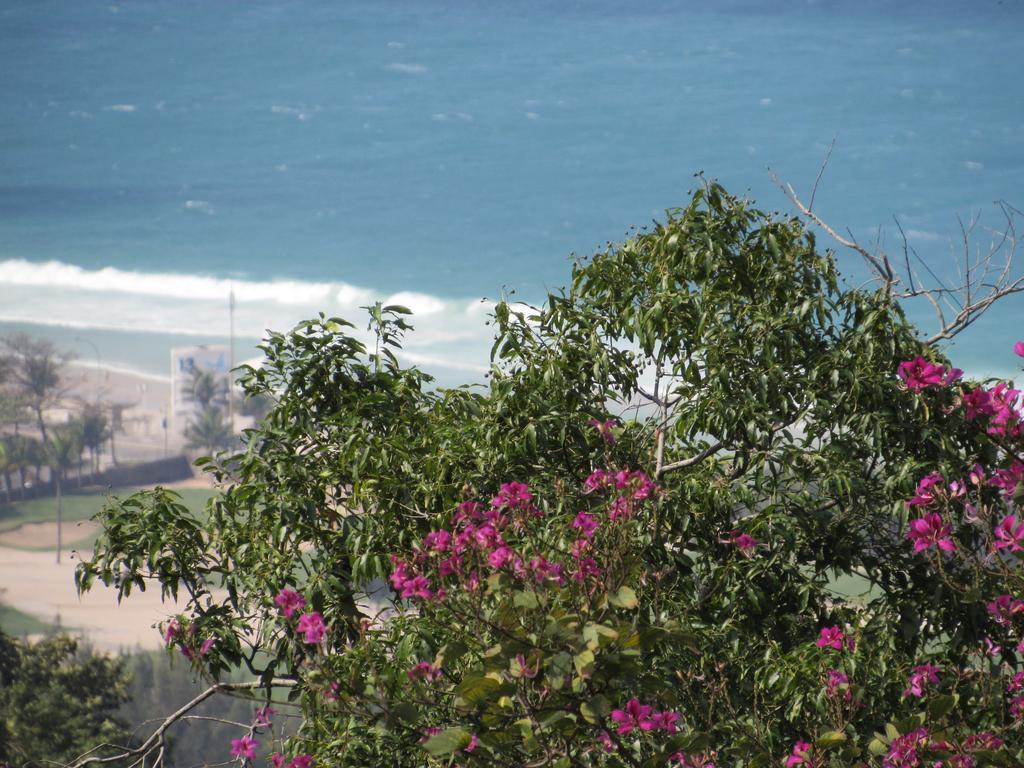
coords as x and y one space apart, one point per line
35 584
30 579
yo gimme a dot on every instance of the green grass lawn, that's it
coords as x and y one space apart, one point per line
81 505
16 623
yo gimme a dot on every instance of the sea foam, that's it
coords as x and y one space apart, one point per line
449 333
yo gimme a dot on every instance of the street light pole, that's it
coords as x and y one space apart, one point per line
231 359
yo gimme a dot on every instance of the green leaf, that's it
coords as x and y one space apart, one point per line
476 690
940 706
623 598
525 599
447 741
830 739
596 709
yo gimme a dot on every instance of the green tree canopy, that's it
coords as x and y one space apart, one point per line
57 701
656 508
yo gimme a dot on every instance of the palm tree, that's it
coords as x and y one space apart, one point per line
209 431
94 434
207 389
34 366
64 450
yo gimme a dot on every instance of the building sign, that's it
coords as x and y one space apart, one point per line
186 362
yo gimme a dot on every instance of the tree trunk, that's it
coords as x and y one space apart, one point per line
21 482
7 485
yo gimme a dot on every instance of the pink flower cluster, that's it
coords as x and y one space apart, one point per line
1004 608
174 632
837 685
1001 405
299 761
903 750
479 542
636 484
919 374
310 625
802 755
643 717
244 747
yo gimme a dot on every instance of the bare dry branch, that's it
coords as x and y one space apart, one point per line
155 742
985 275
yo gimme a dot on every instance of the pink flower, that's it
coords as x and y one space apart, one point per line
1008 479
289 601
1016 683
635 715
302 761
665 721
523 668
1010 533
474 742
586 524
208 643
991 649
1003 608
1018 349
502 556
244 747
606 741
983 740
620 509
513 496
1017 707
543 570
979 403
604 428
312 628
585 569
918 374
263 716
903 749
744 542
931 531
437 541
277 760
172 630
424 671
927 490
801 755
922 675
428 732
596 479
831 637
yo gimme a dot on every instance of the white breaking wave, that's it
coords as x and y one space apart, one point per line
448 332
121 108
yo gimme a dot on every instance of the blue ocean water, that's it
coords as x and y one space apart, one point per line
155 154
